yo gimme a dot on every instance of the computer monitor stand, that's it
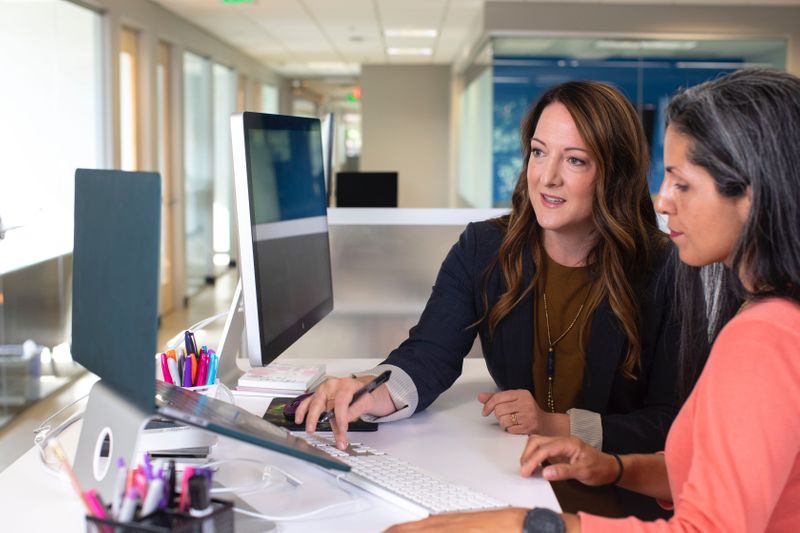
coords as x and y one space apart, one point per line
108 415
231 343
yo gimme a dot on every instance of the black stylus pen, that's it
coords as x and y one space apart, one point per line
369 387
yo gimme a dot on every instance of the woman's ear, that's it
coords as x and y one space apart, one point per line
743 204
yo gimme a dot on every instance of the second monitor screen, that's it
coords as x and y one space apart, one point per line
290 231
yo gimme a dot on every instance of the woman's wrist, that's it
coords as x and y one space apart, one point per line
620 469
554 425
382 403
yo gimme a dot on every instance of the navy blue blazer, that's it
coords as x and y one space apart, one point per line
636 413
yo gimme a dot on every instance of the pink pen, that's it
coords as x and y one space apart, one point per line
202 371
97 507
165 369
183 502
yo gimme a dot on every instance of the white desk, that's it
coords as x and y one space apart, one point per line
450 439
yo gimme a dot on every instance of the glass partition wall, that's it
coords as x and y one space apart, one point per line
512 71
224 106
198 177
51 106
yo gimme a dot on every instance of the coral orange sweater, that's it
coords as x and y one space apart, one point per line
732 454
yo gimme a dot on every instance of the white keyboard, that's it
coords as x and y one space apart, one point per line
400 483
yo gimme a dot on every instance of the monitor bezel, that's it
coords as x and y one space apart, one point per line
261 353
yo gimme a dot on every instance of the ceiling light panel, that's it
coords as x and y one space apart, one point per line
408 51
411 33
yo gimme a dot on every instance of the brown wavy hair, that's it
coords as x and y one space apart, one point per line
622 210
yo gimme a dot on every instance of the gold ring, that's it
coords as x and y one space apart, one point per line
514 419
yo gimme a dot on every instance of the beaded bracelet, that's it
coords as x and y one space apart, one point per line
621 469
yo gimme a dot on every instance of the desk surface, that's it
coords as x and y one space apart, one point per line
449 439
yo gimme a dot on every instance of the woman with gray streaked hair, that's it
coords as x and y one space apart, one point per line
732 459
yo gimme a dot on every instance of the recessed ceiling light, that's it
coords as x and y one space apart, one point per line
409 51
410 32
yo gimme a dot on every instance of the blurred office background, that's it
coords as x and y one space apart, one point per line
429 91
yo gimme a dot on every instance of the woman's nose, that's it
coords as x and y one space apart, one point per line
664 202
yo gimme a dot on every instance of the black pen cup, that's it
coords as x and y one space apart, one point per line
220 520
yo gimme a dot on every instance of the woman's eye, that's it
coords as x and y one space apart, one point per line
536 152
681 187
575 161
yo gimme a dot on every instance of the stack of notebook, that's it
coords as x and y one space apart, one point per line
282 379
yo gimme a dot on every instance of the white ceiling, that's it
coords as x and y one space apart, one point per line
317 38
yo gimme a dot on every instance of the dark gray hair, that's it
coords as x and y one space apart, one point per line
744 129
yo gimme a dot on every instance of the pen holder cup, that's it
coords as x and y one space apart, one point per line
220 520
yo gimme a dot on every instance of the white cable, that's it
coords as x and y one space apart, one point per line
43 433
176 341
265 481
303 516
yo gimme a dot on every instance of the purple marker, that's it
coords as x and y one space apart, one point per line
148 467
187 372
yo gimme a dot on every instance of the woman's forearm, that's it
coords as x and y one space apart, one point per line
646 474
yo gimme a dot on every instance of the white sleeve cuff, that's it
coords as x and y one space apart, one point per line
587 426
401 389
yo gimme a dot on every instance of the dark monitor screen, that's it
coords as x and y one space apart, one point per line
283 229
366 189
115 278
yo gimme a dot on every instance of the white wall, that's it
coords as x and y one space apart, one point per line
405 127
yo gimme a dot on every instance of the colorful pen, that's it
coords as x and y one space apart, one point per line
119 487
199 497
366 389
98 509
212 373
76 485
202 372
187 373
155 491
172 366
189 342
169 482
165 373
183 502
128 508
181 363
194 360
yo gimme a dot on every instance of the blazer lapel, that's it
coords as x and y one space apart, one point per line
605 350
518 337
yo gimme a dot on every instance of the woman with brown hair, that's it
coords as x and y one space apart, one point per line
732 458
569 293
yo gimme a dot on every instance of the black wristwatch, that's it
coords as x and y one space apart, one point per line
541 520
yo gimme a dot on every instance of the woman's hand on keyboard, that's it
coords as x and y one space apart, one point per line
336 394
570 458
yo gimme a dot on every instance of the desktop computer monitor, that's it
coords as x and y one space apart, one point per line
281 218
366 189
114 325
